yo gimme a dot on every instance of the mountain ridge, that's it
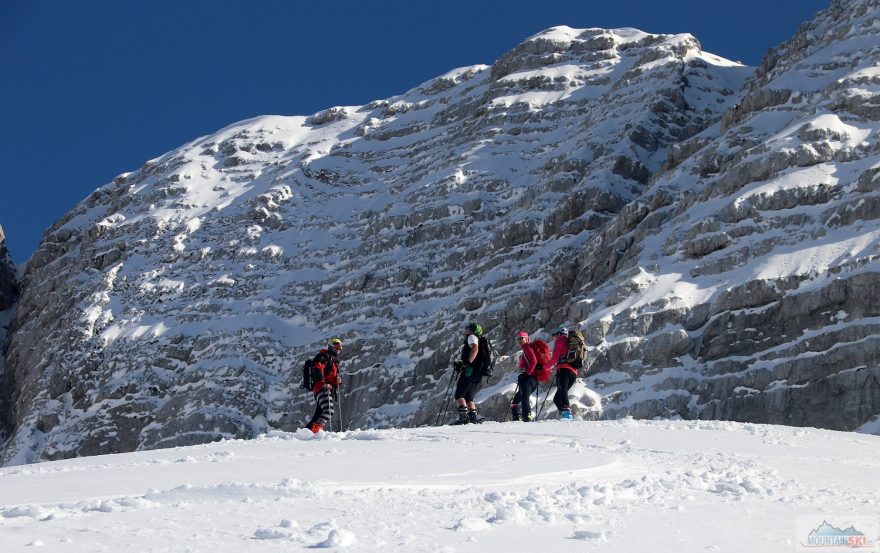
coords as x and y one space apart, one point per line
787 168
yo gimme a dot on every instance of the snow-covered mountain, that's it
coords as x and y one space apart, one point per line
743 284
612 179
608 486
176 304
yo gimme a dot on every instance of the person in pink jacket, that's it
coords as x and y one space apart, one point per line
521 406
565 373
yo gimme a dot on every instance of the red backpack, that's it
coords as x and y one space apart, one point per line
542 353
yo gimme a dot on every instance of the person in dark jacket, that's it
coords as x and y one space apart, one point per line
472 365
565 373
527 382
325 373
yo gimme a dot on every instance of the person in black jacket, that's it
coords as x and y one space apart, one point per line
472 365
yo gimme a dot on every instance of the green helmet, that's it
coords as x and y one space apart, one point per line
475 329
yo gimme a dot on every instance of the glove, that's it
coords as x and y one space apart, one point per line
468 371
457 366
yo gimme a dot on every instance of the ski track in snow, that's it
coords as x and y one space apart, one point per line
563 485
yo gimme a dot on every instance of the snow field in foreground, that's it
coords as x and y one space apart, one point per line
582 486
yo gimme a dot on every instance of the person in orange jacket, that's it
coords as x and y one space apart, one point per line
325 371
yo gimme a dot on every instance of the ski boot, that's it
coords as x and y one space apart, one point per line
463 417
565 415
514 412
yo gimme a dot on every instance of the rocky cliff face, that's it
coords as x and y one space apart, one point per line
176 304
8 283
742 285
8 293
716 241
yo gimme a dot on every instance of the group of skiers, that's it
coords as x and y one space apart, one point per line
536 364
477 359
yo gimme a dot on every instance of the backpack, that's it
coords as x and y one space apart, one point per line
487 355
311 374
577 350
542 353
307 380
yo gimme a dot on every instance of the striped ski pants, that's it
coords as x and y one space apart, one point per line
324 408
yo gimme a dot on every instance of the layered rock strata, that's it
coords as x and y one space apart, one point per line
175 304
742 285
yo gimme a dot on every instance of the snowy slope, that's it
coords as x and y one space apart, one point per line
600 487
175 304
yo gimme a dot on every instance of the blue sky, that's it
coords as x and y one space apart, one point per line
93 88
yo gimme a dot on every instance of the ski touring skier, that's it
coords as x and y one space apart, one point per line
566 374
473 365
325 375
527 382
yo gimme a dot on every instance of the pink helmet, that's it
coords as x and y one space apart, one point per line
522 334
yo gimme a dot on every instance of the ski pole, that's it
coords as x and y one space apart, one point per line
339 405
537 393
545 397
445 402
444 410
329 408
509 408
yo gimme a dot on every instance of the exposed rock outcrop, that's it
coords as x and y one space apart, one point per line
8 281
8 296
760 246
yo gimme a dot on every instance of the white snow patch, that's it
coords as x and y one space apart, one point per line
512 486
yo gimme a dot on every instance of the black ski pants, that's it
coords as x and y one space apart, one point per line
564 381
527 386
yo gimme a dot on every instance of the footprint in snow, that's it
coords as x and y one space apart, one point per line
589 535
275 534
472 524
